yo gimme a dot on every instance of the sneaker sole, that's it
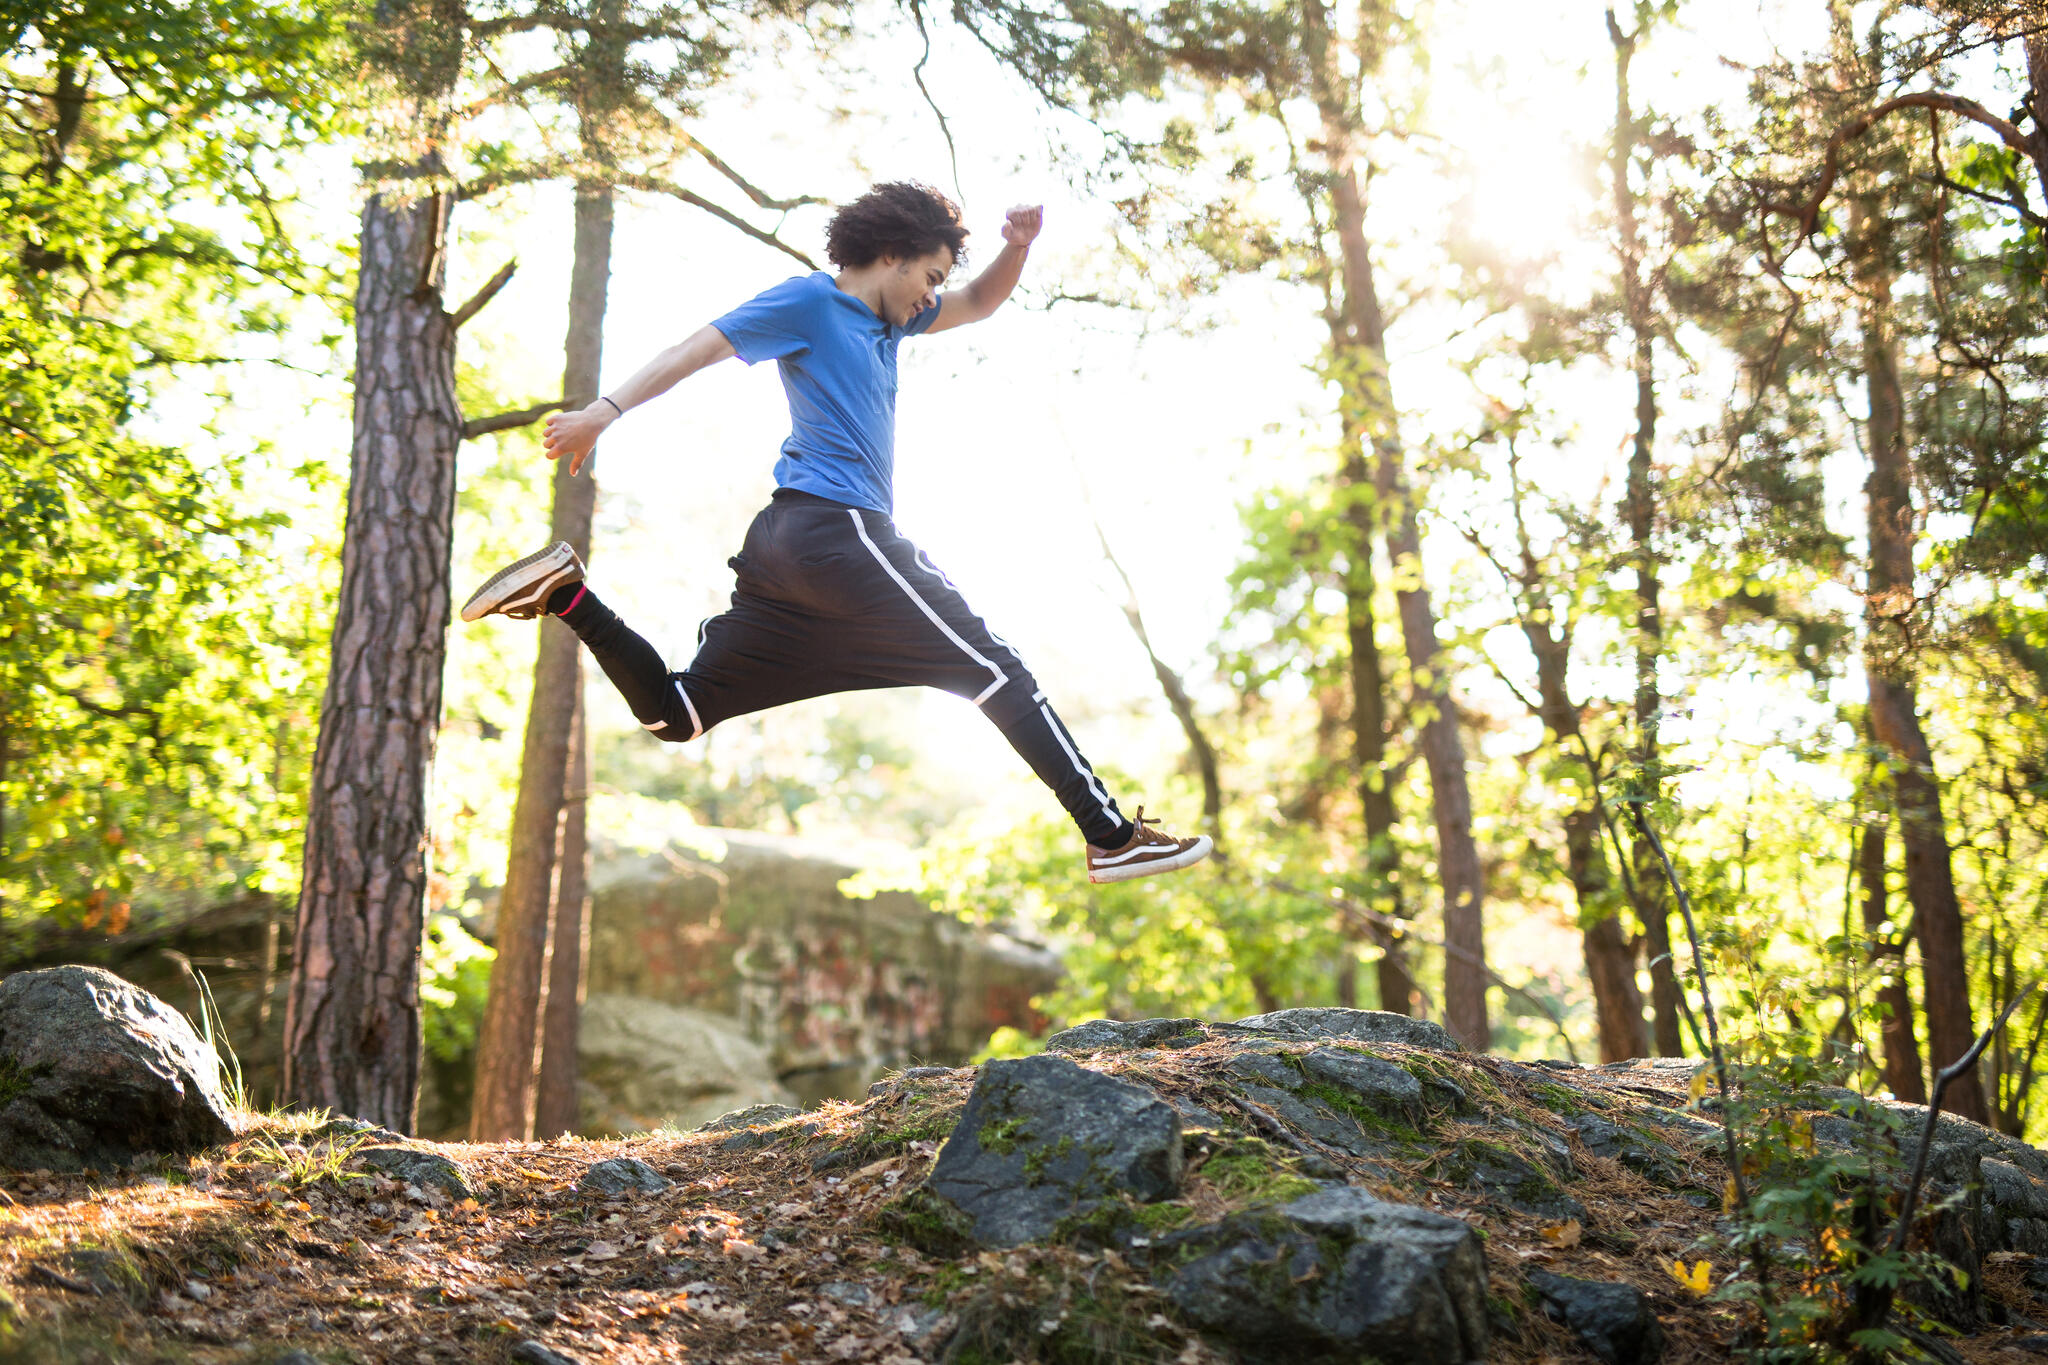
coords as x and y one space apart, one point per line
1130 871
506 583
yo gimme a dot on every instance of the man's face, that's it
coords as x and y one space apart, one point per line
911 286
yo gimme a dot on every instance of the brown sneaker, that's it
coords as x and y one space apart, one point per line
1148 851
521 590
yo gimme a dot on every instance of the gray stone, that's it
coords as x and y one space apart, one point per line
1335 1275
1371 1026
2017 1194
889 1085
360 1129
1122 1035
534 1353
428 1170
754 1139
753 1116
644 1065
1043 1140
1381 1086
297 1358
1615 1320
1499 1172
1652 1160
851 1294
95 1072
621 1176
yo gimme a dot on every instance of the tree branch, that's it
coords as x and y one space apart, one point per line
505 421
651 184
1831 162
483 296
761 199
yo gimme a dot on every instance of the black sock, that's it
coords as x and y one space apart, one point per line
560 599
1120 838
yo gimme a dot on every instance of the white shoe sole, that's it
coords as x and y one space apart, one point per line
1187 858
512 585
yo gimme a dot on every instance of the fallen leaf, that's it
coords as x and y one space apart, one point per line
1565 1234
600 1251
1698 1279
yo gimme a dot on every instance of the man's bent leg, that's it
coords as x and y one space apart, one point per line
635 667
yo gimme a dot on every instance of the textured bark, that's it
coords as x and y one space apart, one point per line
1889 663
1396 981
1902 1071
352 1022
508 1041
1371 417
554 1105
1641 511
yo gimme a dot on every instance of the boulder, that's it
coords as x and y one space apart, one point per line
1615 1320
95 1072
644 1065
1337 1275
1043 1141
621 1176
1371 1026
753 1116
1120 1035
427 1170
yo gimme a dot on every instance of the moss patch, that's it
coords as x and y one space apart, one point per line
1003 1136
16 1079
931 1224
1254 1171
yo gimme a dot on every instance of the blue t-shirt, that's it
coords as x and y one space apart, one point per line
838 363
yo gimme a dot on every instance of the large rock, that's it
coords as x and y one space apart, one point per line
756 927
95 1072
1615 1320
1043 1141
644 1065
1369 1026
1335 1275
1124 1035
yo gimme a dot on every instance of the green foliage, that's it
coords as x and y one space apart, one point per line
1812 1242
155 691
455 977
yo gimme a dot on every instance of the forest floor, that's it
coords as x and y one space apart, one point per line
273 1244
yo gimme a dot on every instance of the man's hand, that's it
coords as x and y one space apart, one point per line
575 434
1021 224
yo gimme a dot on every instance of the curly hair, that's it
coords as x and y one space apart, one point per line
902 219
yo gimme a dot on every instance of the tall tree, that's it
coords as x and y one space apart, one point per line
352 1024
1639 313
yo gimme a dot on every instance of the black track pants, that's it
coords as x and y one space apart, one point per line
831 598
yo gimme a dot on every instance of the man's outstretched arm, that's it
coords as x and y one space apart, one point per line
986 292
575 434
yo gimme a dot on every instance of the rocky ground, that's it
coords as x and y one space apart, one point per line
1317 1184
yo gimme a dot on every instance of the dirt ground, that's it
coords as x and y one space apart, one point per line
275 1243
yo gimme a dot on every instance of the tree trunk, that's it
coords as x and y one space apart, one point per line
1371 417
1888 660
1369 739
508 1041
1610 960
1901 1044
352 1022
554 1107
1641 509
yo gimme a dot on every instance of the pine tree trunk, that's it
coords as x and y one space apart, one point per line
352 1022
508 1042
1372 418
1641 509
1888 660
1901 1044
554 1107
1369 739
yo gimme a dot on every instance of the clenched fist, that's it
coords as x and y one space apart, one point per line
1021 224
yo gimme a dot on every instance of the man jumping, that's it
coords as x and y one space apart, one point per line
829 596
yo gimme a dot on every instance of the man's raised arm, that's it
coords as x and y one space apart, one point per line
575 434
986 292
